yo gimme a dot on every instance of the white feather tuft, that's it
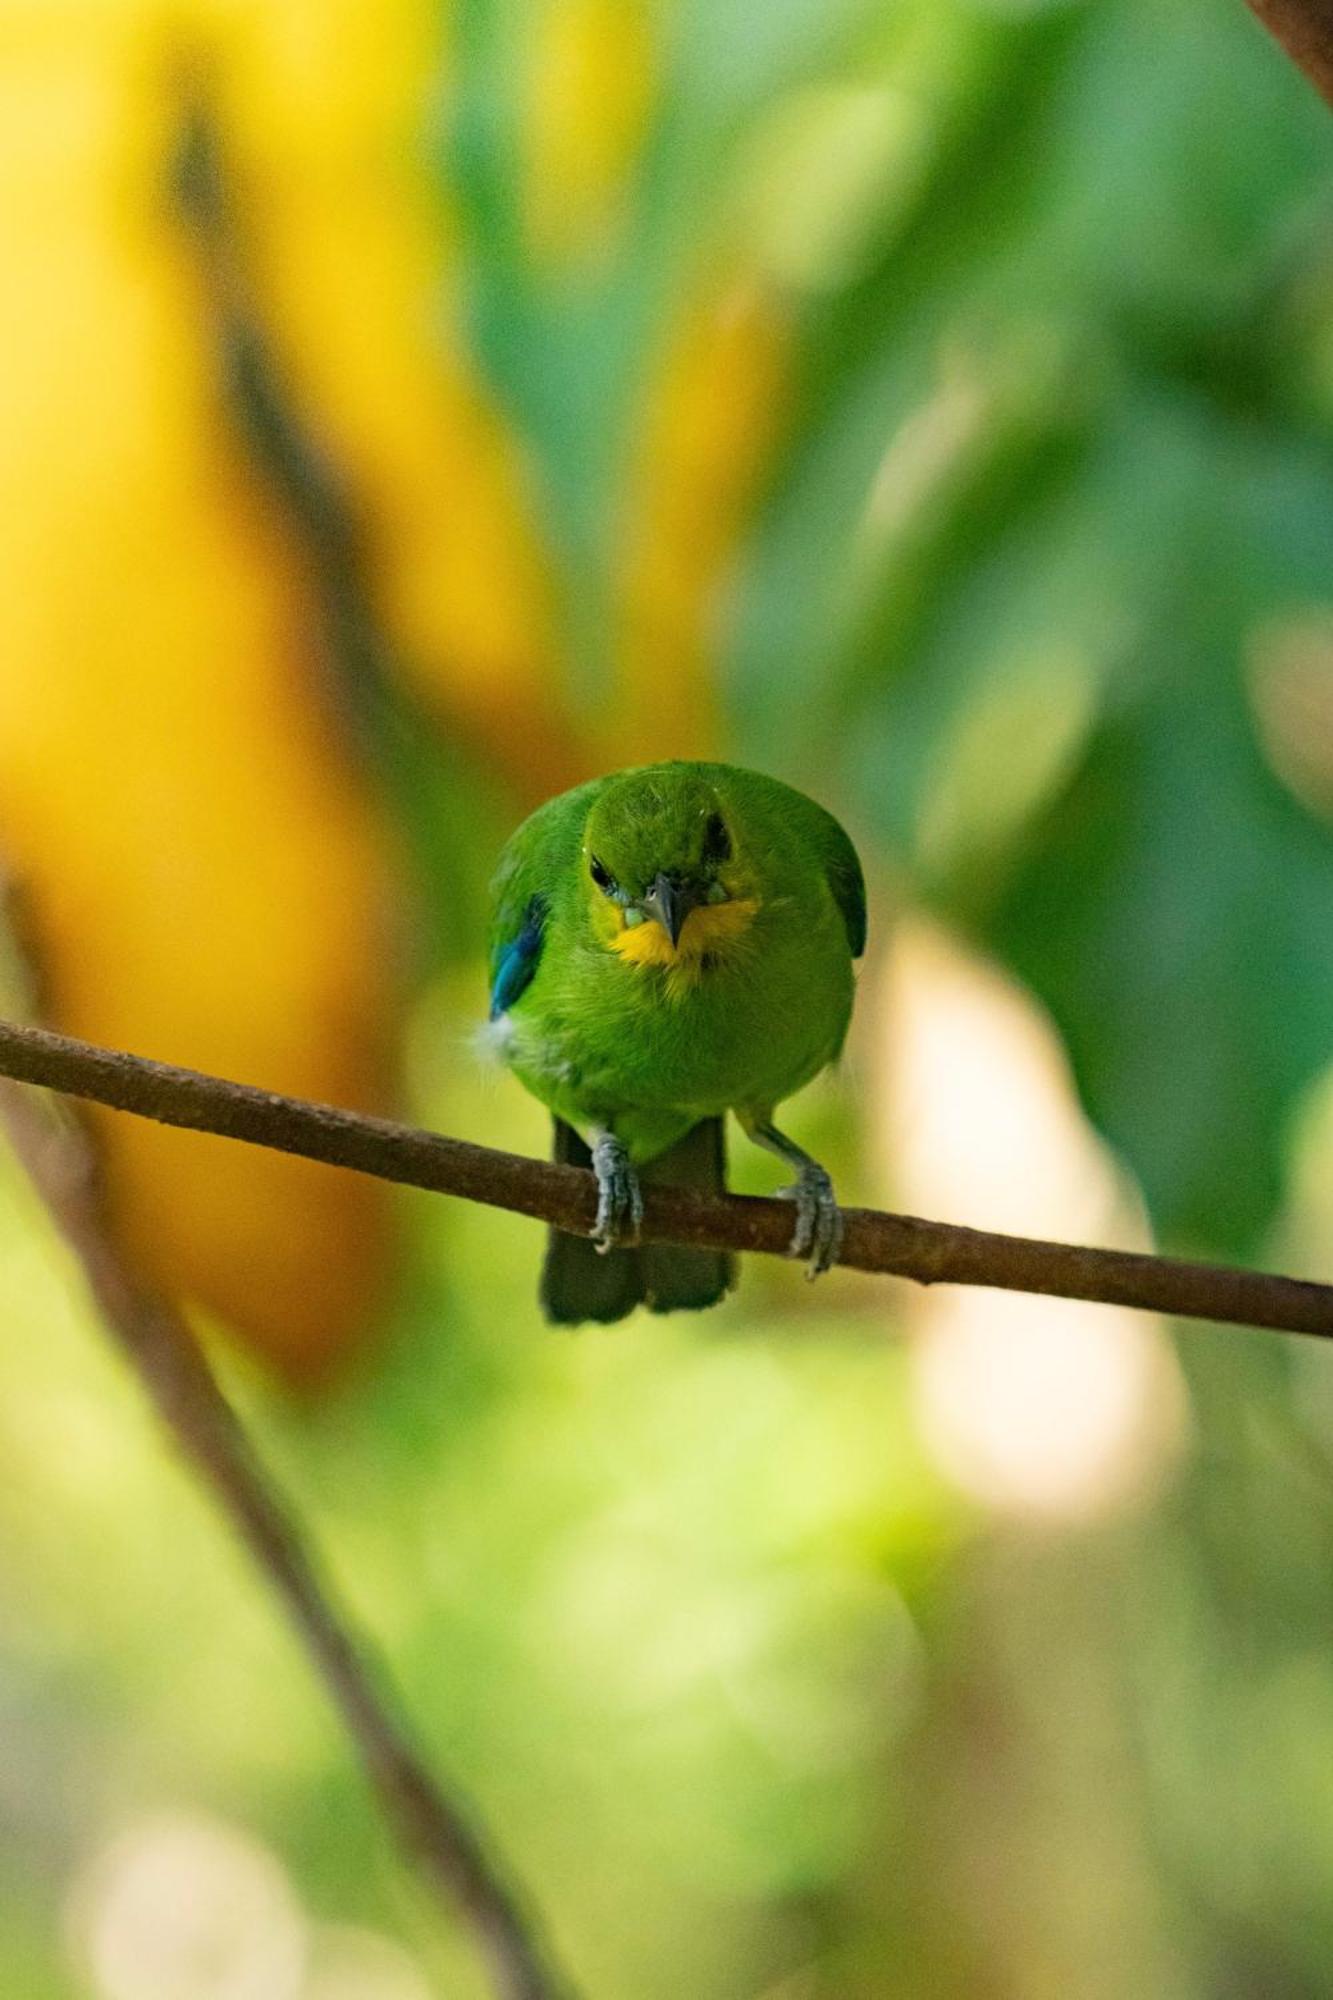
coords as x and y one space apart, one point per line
493 1041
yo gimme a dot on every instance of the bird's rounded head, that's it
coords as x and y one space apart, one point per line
667 879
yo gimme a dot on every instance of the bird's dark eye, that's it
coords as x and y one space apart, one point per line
600 875
717 841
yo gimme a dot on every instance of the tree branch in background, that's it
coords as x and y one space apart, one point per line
1305 30
367 680
898 1245
435 1826
302 477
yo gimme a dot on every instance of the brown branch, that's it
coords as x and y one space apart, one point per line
439 1830
367 679
1305 30
900 1245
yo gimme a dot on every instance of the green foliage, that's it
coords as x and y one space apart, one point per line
1056 472
1060 452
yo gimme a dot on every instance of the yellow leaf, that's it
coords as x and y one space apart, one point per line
202 868
711 422
592 74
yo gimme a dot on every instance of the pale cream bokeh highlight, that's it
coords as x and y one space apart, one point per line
183 1906
1034 1406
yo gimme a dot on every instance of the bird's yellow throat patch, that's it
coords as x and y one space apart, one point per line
712 931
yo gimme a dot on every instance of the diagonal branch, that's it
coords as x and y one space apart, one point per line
900 1245
433 1823
1305 30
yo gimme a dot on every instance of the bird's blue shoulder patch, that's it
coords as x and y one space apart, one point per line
516 962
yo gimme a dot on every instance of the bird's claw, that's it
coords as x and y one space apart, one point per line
818 1233
619 1202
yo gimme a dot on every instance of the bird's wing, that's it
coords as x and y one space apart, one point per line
531 870
842 871
514 964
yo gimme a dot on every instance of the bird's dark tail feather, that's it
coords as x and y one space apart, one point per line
580 1283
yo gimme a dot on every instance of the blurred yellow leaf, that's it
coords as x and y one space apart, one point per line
196 847
591 84
711 421
201 866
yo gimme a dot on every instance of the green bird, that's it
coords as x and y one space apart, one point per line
668 944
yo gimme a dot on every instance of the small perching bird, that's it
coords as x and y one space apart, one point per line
669 944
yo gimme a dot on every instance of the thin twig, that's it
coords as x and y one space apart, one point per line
434 1824
903 1246
296 460
1305 30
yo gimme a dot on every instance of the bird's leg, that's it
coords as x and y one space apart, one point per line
818 1232
619 1202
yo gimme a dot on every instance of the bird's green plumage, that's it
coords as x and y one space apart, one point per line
645 1051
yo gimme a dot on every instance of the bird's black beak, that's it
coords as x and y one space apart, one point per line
670 903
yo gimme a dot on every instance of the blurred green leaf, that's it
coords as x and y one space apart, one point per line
1175 906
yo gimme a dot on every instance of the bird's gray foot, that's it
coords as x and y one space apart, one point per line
818 1233
619 1202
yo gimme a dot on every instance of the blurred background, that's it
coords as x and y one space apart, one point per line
409 410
